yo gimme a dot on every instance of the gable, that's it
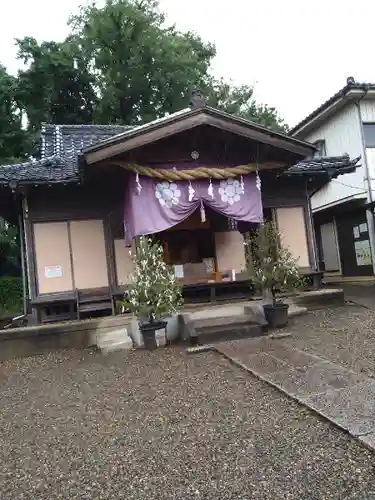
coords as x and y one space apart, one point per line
189 119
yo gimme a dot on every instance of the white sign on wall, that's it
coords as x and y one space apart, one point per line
53 271
179 271
363 253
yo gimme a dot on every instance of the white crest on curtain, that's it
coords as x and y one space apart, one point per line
230 191
242 185
167 194
191 192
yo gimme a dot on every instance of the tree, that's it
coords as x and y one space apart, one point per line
122 64
143 69
9 249
154 293
14 140
239 101
271 266
56 86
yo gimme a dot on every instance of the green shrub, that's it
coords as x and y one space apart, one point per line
10 294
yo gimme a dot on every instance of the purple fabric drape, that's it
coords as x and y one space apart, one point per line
159 205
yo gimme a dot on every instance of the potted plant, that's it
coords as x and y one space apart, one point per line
154 293
272 269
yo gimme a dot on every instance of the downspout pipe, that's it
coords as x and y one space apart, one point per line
369 210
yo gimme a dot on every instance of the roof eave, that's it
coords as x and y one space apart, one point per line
340 100
187 120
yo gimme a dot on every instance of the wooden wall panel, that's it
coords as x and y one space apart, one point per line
230 251
124 262
291 223
51 242
89 254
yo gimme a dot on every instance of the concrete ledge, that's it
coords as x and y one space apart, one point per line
317 299
33 340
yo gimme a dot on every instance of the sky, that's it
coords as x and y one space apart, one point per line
296 53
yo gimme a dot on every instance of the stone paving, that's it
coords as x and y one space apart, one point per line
341 395
362 294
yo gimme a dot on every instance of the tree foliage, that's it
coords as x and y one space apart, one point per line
143 68
121 63
14 140
239 101
56 86
9 249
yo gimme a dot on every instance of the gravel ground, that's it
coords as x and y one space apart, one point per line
344 335
163 425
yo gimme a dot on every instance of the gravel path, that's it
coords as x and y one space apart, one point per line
165 426
344 335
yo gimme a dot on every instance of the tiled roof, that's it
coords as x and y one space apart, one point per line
329 166
60 147
350 86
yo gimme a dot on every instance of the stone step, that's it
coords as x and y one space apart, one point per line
114 340
230 333
233 321
112 337
210 330
115 346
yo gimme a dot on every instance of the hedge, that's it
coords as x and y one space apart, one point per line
10 294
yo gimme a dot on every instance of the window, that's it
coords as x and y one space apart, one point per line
369 134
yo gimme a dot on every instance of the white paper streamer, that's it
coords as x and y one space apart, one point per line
258 182
203 213
210 189
242 185
139 187
191 192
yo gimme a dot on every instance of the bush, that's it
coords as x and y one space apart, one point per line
10 294
272 267
155 292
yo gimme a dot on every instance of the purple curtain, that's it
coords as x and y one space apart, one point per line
152 206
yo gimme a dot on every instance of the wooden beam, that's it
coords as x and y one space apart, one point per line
259 136
144 137
156 131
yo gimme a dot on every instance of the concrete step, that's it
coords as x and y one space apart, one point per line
209 330
219 321
114 340
115 346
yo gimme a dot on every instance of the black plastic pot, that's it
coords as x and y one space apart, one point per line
148 331
276 314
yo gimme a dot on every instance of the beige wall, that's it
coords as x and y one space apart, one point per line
89 255
59 245
52 255
230 252
124 262
292 226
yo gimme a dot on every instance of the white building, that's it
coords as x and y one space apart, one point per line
344 208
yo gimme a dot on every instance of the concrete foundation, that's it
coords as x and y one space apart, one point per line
33 340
